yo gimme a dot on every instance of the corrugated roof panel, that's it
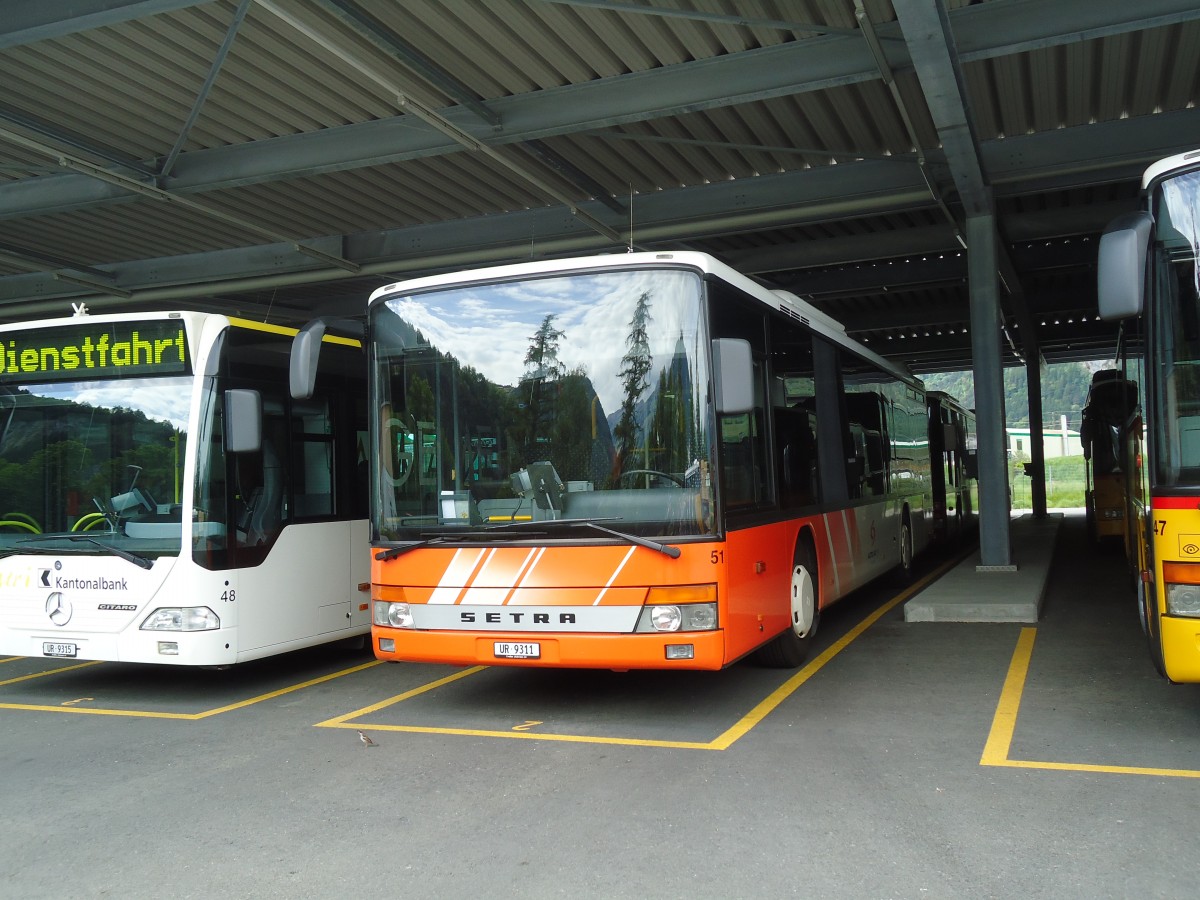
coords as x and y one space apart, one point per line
1082 82
113 234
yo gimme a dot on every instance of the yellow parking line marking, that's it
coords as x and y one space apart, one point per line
187 717
1004 724
271 695
722 742
59 670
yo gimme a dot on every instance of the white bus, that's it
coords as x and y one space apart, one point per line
163 499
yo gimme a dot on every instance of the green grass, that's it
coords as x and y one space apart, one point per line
1064 483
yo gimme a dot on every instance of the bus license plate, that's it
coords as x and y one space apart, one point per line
506 650
49 649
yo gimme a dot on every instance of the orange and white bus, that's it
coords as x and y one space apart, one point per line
636 461
163 499
1147 278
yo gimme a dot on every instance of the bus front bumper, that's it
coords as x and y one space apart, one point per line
1181 648
684 650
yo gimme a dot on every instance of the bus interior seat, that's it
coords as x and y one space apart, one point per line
265 501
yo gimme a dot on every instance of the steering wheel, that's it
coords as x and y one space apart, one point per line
655 472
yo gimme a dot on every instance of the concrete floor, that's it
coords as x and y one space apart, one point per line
907 760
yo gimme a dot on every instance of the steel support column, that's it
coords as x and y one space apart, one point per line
995 551
1037 442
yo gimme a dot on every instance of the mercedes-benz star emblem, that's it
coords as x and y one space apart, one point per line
58 608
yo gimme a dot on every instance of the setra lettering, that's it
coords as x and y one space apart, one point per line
515 618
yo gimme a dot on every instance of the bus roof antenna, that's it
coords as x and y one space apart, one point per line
629 249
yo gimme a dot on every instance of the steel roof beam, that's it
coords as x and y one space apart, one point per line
777 71
28 21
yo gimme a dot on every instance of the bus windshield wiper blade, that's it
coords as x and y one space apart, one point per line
665 549
393 552
124 554
530 529
44 539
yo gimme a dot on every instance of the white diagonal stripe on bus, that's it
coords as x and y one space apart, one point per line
848 516
497 594
457 574
613 577
837 581
530 561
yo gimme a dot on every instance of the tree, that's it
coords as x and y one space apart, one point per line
542 369
634 372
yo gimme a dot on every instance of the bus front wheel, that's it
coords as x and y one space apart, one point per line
904 567
788 649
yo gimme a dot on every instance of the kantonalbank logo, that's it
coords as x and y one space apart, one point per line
71 352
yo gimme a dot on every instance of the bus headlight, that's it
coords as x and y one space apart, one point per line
392 614
1182 581
678 617
182 618
1183 600
665 618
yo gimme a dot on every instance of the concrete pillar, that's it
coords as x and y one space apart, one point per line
995 551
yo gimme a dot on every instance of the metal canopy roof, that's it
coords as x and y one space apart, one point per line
277 159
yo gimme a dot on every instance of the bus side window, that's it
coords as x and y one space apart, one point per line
744 440
312 457
796 457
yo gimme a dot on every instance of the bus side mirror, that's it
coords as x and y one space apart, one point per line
1121 269
302 364
733 375
243 421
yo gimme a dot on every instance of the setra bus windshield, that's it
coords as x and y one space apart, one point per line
505 406
1175 332
90 465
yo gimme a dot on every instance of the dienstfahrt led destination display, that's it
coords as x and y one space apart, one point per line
99 350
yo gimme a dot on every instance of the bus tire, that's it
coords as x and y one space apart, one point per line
788 649
1151 628
904 567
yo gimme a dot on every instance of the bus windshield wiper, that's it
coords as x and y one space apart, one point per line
124 554
438 537
116 551
393 552
527 529
665 549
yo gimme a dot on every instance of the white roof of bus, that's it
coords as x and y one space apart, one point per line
780 300
1163 166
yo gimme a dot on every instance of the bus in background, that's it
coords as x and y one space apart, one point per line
953 473
1147 278
163 499
1111 400
633 461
